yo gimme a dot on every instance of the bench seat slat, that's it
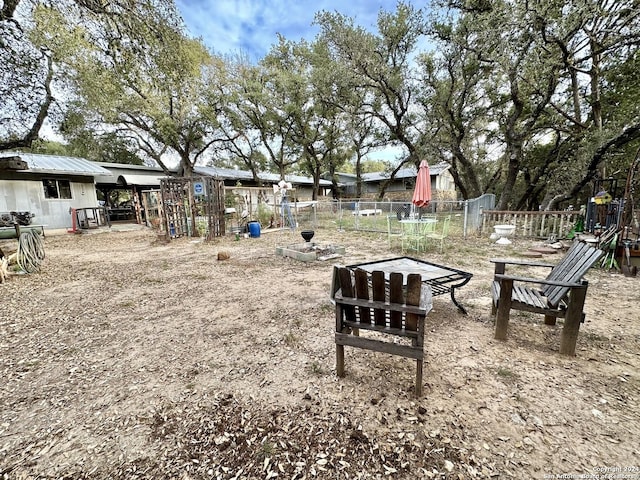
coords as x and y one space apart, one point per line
530 300
529 296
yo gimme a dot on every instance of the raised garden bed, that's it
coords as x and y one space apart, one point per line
310 252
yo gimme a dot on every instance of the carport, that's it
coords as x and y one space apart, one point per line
121 193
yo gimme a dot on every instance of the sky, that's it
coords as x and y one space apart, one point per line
229 27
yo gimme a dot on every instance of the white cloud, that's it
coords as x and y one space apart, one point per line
231 26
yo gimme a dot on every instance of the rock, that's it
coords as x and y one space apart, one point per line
517 419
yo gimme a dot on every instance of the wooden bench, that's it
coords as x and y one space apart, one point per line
368 301
559 295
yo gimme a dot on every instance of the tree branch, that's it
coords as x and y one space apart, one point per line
32 134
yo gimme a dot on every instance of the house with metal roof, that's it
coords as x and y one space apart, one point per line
128 182
47 187
402 185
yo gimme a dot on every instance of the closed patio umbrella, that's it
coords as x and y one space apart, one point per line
422 192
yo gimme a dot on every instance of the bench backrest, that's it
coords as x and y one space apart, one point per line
573 266
378 303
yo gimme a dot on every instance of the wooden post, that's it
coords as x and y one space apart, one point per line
339 348
335 282
348 292
339 314
418 378
504 305
572 320
340 360
414 289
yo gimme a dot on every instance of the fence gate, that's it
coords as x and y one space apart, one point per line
193 207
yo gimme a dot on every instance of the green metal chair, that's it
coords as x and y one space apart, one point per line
391 233
413 235
609 247
440 235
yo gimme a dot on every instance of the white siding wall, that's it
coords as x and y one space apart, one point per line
444 182
26 195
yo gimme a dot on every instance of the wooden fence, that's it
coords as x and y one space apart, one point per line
533 224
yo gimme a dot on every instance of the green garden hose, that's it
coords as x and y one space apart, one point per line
30 253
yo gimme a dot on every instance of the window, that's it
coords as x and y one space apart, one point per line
56 188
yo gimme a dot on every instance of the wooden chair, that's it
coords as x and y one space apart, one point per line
368 301
560 295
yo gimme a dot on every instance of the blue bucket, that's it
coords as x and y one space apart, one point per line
254 229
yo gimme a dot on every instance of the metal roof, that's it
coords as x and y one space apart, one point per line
147 180
127 174
124 174
232 174
128 166
410 172
223 173
58 164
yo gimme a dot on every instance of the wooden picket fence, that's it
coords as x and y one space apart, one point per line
531 224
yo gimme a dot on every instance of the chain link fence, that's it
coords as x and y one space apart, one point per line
365 215
384 216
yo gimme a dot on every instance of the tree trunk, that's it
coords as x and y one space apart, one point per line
513 153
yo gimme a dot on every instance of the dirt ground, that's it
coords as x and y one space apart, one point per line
128 358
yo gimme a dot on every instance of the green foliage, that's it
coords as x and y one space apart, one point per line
84 141
45 46
536 76
316 369
264 214
157 98
291 339
371 166
67 40
48 147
